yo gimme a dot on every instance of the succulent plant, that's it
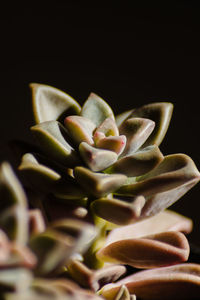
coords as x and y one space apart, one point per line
91 169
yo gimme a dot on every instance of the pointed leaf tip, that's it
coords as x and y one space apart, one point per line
96 109
50 103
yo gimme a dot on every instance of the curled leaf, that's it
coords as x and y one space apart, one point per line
136 130
52 138
96 109
50 103
80 129
160 113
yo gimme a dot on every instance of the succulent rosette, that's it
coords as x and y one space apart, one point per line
108 170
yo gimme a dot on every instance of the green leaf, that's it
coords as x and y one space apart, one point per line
98 184
50 103
52 250
165 184
15 280
38 175
96 159
96 109
52 138
160 113
119 119
136 130
108 127
14 219
139 163
117 211
80 129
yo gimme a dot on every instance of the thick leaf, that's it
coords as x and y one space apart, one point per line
160 113
123 294
4 247
80 129
162 222
83 233
50 103
108 127
52 250
165 184
36 221
96 109
96 159
117 211
38 175
138 163
52 138
98 184
112 143
152 251
175 282
19 257
136 130
93 279
13 204
11 191
119 119
14 222
15 280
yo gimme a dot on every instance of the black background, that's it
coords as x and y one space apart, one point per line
129 52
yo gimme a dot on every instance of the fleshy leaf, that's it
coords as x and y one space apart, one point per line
112 143
94 278
119 119
165 184
83 232
160 113
50 103
37 174
13 203
96 109
162 222
96 159
51 137
80 129
4 247
160 284
98 184
117 211
136 130
52 250
15 280
108 127
14 221
138 163
153 251
36 221
123 294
